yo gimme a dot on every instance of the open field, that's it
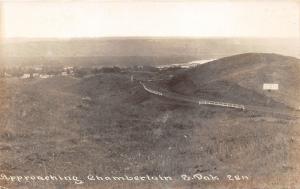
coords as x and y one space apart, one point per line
107 125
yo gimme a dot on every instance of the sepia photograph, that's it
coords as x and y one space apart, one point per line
149 94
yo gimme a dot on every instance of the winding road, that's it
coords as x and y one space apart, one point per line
175 96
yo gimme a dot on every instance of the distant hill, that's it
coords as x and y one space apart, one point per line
240 78
156 51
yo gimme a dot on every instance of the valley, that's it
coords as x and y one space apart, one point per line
106 124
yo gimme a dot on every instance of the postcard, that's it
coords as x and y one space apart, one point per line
150 94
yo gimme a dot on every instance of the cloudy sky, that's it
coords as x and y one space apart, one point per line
108 18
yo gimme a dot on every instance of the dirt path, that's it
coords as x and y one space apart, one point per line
174 96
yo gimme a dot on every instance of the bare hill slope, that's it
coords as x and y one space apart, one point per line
106 125
240 78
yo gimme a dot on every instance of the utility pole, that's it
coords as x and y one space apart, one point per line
131 78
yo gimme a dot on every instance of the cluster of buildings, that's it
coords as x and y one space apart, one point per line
39 72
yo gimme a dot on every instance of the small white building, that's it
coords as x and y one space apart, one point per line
270 86
68 68
25 76
45 76
36 75
68 71
64 73
7 75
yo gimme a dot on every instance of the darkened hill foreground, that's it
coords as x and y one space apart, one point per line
240 79
106 124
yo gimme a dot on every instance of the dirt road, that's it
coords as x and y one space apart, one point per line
175 96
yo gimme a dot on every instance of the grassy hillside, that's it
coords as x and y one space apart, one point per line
240 78
106 125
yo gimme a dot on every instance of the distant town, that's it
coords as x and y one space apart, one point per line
43 72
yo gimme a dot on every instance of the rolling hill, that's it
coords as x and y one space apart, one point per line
131 51
240 79
106 125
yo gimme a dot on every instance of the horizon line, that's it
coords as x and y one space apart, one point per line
151 37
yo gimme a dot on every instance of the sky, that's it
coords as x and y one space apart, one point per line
171 18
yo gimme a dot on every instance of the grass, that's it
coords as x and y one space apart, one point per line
122 129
